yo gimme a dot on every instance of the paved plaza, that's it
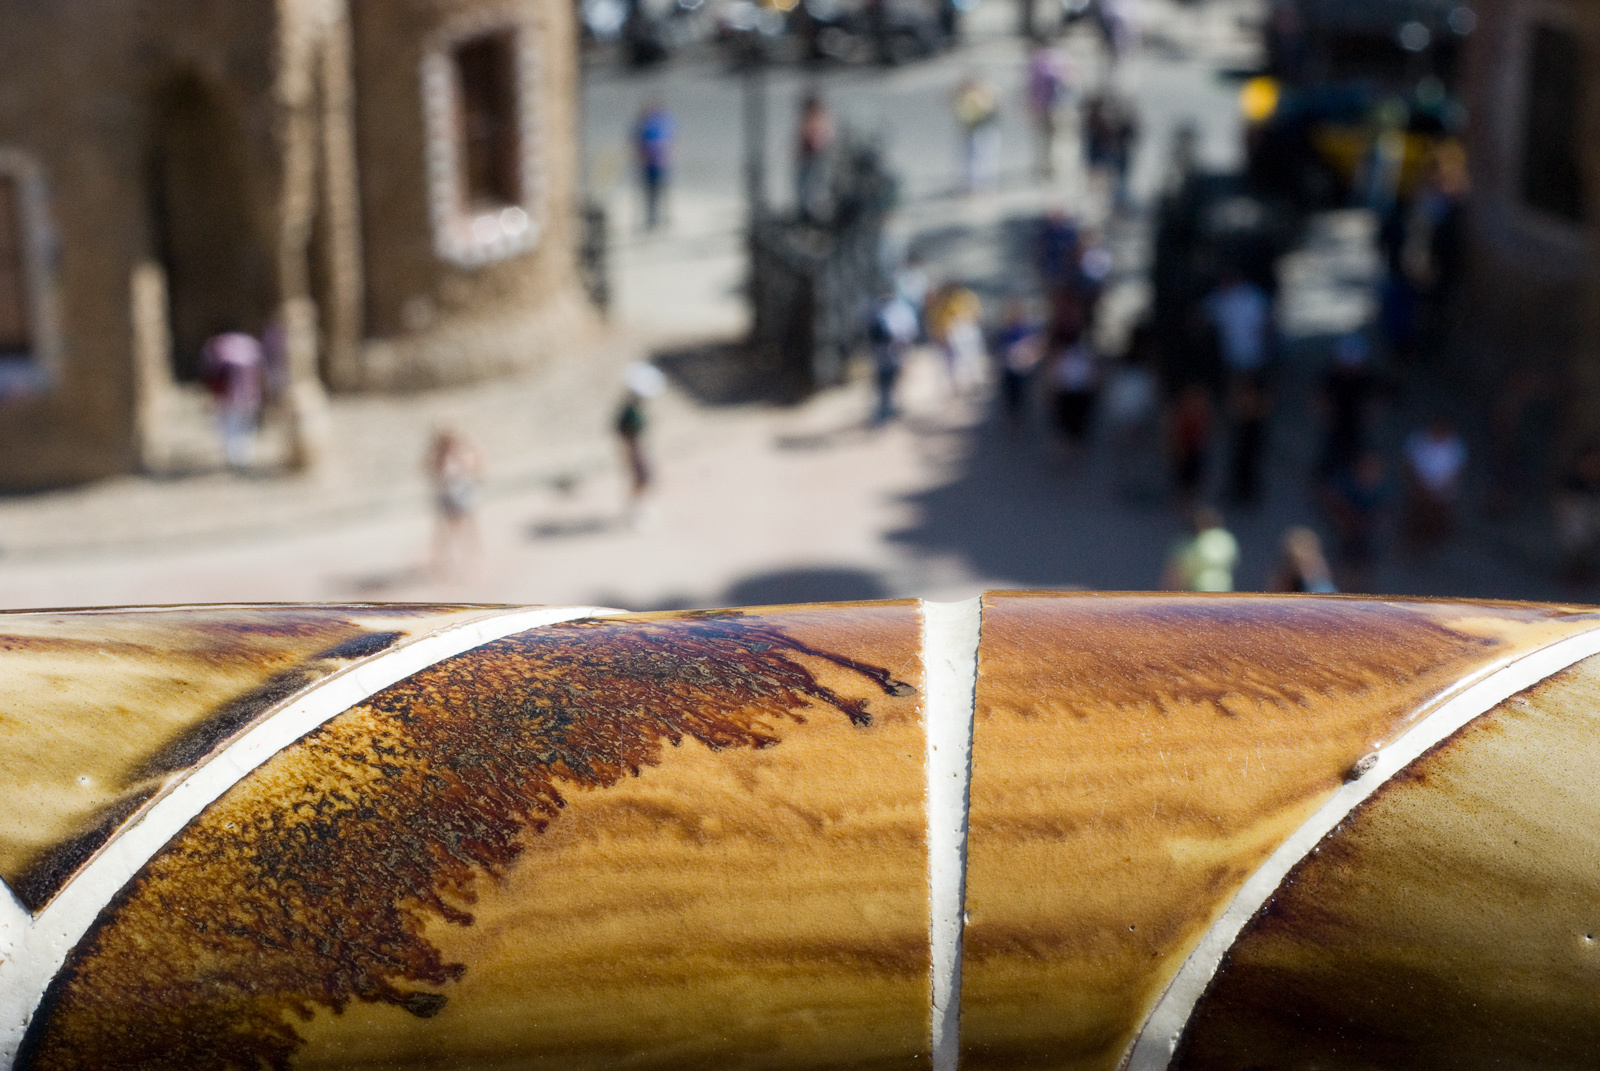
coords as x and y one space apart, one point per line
758 502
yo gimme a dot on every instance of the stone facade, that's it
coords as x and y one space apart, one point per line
390 181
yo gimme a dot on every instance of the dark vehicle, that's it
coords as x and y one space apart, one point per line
1350 81
1388 43
1316 148
844 31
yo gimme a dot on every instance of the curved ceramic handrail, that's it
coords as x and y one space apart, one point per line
1159 1039
41 943
894 828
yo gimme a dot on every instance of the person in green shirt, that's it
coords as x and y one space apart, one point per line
1205 559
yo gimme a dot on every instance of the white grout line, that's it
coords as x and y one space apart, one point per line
14 919
39 948
1158 1041
950 677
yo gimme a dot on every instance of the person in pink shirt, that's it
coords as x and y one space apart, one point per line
232 364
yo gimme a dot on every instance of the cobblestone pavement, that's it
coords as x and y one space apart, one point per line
757 503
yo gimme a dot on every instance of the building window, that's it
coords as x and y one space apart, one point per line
486 87
16 326
28 341
485 182
1551 180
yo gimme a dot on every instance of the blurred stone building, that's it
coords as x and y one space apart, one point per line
389 183
1533 94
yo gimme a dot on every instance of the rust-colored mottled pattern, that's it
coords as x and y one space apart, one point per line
1135 758
1452 922
101 709
665 841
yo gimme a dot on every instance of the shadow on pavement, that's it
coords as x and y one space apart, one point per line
373 585
724 373
805 585
984 257
1016 509
574 527
779 587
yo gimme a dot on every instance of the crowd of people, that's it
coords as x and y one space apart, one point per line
1188 408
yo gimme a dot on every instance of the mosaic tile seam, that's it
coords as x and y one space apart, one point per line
732 837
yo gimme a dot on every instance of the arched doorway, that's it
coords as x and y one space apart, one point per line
207 232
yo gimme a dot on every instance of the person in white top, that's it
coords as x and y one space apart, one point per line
1435 463
1242 314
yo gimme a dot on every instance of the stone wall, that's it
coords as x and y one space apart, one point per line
1532 273
201 165
66 114
432 316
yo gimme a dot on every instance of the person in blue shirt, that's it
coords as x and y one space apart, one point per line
653 140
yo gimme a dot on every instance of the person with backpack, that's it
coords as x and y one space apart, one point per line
894 329
642 381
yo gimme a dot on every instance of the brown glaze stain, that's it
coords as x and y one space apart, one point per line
102 708
1137 757
662 841
1453 921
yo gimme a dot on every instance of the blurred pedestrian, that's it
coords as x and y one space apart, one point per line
1119 22
1110 131
1094 266
911 285
1070 307
1250 405
977 112
1347 392
1302 566
1190 445
813 147
1048 87
1057 250
1130 408
642 381
1124 138
1355 498
1075 385
1434 255
1206 558
232 366
654 136
1436 460
1241 312
1095 130
1577 513
455 468
894 329
1020 347
955 327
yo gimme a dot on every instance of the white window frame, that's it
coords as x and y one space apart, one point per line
462 236
40 253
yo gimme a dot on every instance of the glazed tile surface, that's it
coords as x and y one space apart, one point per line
101 709
1452 922
659 841
1135 758
549 840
